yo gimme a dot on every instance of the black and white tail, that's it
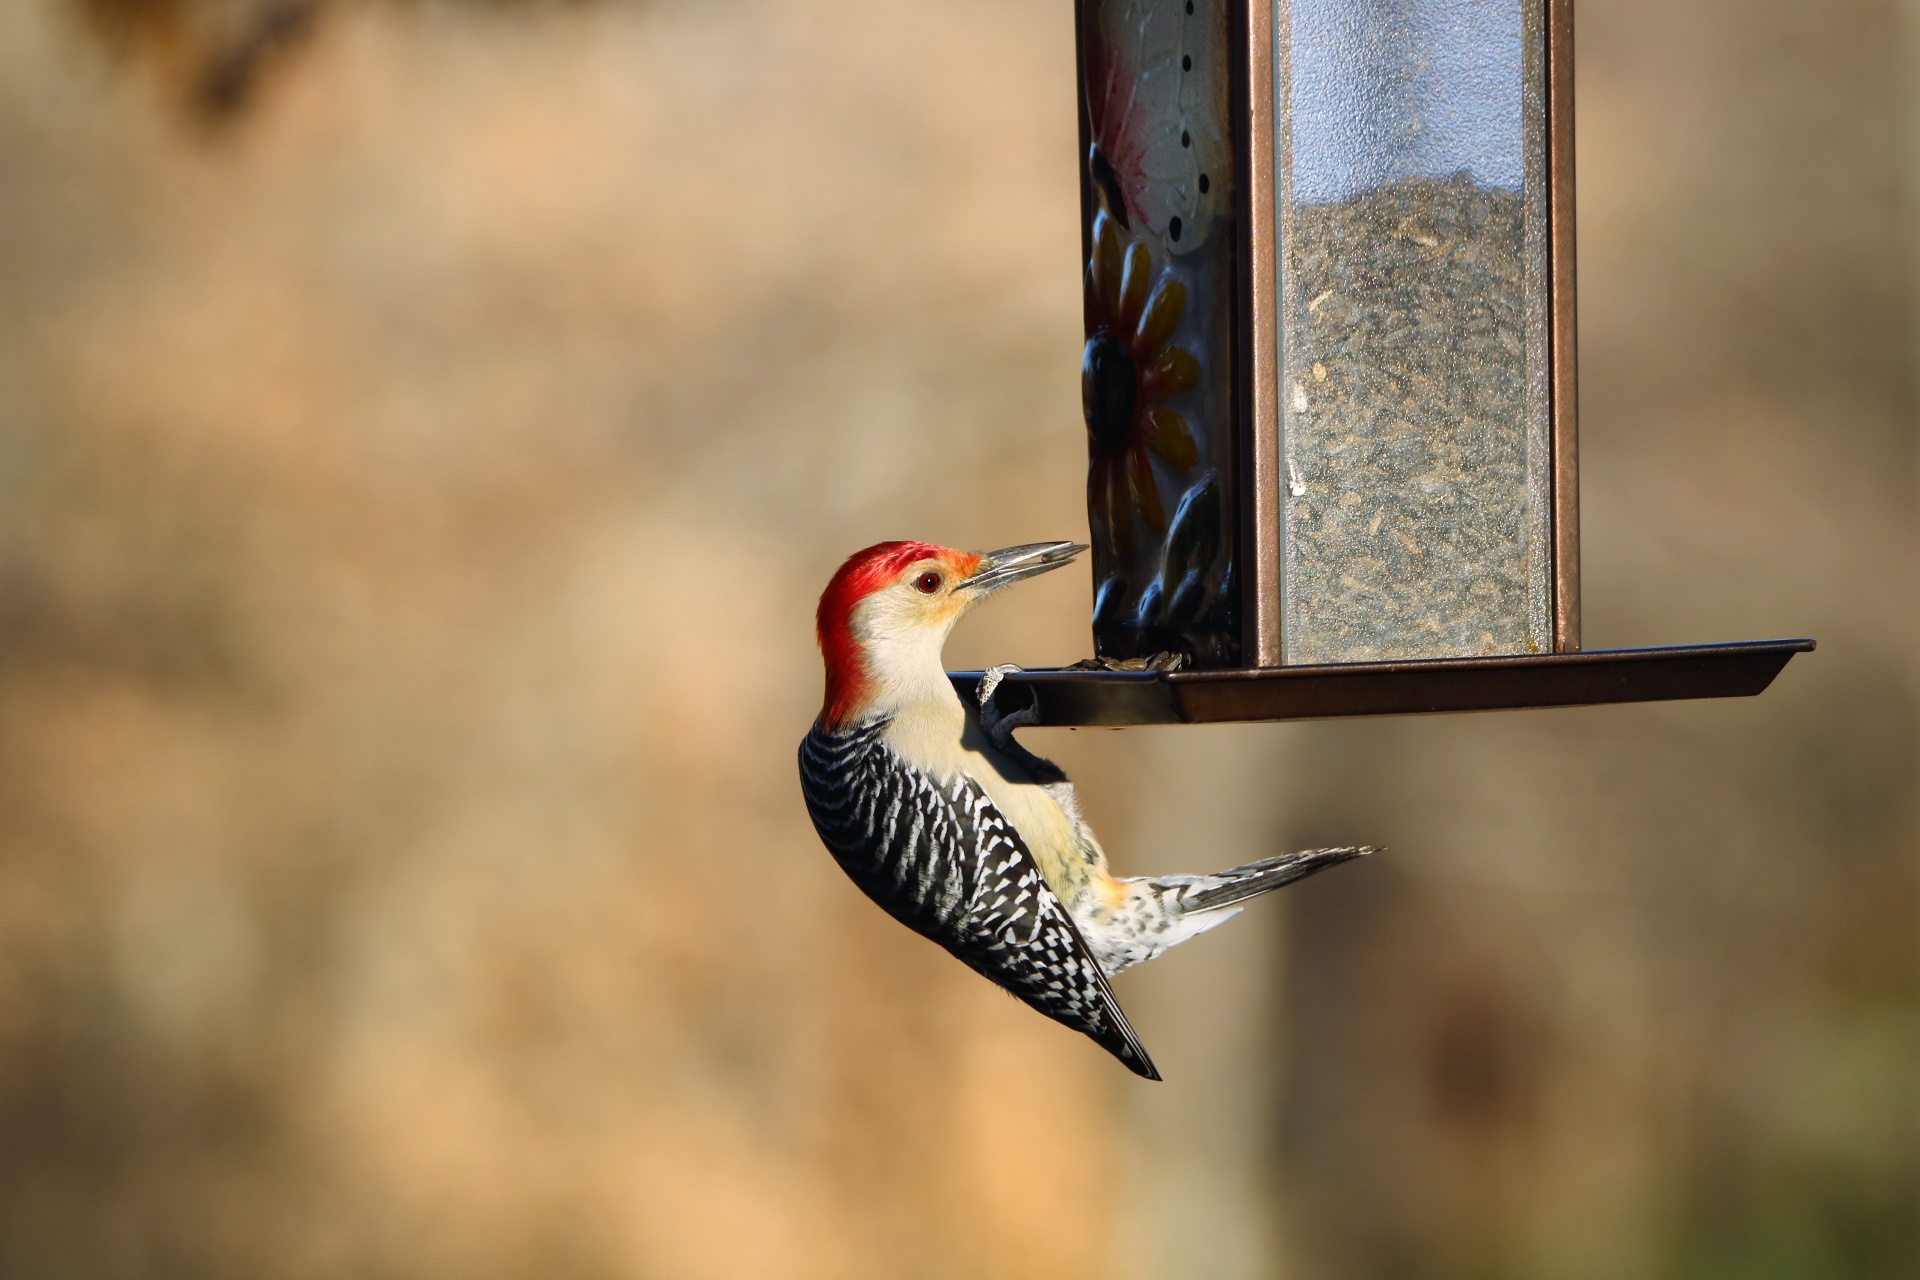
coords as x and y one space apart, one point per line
1153 914
1237 884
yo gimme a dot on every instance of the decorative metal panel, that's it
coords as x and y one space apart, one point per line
1414 298
1158 369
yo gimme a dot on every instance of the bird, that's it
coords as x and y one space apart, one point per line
956 830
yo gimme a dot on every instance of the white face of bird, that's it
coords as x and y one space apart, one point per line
918 607
899 622
926 597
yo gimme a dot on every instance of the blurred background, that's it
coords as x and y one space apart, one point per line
424 429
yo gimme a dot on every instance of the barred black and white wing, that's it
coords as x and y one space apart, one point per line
943 860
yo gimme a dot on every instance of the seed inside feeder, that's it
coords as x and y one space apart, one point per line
1412 527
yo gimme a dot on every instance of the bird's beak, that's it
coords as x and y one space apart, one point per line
1010 564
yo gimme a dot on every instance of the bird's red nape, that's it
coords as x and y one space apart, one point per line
864 572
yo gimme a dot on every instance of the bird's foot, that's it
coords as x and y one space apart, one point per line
1000 725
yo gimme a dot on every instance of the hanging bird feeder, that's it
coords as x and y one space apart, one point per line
1329 377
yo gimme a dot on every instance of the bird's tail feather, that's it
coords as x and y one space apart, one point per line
1237 884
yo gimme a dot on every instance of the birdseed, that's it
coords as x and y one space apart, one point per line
1413 520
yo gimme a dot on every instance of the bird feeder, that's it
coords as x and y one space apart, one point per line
1329 374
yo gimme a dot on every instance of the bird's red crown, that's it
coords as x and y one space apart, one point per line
863 573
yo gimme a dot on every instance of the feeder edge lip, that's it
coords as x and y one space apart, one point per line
1066 697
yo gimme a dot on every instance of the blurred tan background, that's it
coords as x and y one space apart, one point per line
424 428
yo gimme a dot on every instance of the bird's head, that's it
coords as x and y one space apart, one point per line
885 616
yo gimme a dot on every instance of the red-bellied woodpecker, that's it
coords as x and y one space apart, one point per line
957 830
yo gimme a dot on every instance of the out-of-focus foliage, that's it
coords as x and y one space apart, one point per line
412 499
213 53
1637 994
212 56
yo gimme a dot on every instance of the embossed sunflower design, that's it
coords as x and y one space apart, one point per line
1128 371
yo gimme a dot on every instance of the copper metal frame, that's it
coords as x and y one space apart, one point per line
1565 357
1259 563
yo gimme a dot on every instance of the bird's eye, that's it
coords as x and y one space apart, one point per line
928 582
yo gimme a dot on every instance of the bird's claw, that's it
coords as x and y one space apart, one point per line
990 682
999 727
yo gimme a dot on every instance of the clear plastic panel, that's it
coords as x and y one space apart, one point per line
1414 309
